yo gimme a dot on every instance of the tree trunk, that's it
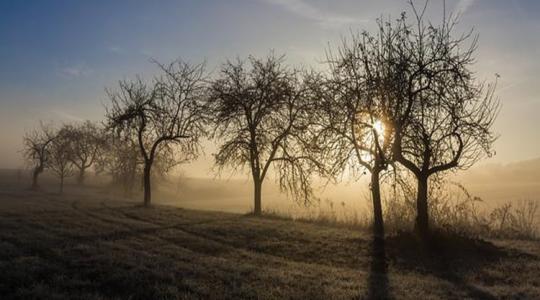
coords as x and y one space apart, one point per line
61 184
80 178
378 222
422 215
257 197
35 176
147 187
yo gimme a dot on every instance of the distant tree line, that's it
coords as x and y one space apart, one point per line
70 149
400 100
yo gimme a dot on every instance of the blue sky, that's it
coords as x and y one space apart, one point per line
56 57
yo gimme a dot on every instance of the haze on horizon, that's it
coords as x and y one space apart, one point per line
57 57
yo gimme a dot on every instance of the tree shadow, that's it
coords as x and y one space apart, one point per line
378 287
449 257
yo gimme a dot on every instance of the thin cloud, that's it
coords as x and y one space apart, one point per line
308 11
75 71
506 87
115 49
63 115
463 5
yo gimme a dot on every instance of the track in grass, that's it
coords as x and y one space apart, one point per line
85 246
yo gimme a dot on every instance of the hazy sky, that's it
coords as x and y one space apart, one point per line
56 57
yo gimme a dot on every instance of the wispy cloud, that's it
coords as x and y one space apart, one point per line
308 11
506 87
115 49
147 53
463 5
75 71
63 115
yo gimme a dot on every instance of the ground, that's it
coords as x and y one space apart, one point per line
91 246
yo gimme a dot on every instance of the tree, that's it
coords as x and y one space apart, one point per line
86 143
36 149
354 107
262 114
165 113
120 158
60 158
447 114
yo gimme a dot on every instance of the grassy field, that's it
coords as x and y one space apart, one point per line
87 245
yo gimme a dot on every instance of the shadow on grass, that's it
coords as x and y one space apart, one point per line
449 257
378 276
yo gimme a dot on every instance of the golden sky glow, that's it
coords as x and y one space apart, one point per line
57 58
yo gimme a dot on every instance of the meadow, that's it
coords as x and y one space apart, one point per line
91 244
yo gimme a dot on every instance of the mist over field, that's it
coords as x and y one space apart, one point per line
494 184
91 241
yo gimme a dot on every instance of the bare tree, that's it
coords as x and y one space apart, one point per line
86 144
415 80
262 115
60 158
120 158
447 114
168 112
36 149
354 108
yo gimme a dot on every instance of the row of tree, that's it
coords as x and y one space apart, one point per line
402 100
74 148
65 151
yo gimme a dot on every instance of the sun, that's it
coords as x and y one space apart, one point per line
378 126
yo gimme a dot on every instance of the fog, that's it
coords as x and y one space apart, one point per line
494 184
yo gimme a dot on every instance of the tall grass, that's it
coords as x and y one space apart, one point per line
456 210
325 212
452 209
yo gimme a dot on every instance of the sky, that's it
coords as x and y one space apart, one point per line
57 57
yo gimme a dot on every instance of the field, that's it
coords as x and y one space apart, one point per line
87 244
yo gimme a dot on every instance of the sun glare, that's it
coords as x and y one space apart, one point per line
379 127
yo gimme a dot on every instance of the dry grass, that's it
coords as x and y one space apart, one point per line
90 246
452 210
